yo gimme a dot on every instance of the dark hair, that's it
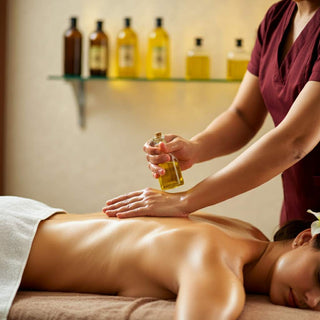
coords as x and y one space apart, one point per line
292 228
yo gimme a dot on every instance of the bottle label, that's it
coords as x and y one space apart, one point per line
98 58
126 56
159 58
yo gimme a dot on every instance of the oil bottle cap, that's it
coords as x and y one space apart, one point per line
159 22
73 22
158 135
99 25
127 22
199 42
239 42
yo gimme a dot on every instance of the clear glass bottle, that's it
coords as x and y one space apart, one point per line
197 62
127 52
237 61
173 176
98 52
158 56
72 50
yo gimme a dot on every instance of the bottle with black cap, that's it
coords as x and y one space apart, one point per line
72 50
237 61
198 62
158 56
127 51
98 52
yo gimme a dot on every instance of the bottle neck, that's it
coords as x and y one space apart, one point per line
198 42
239 43
127 22
159 23
73 23
99 25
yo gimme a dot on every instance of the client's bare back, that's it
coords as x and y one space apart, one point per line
159 257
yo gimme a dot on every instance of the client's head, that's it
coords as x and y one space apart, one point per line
296 275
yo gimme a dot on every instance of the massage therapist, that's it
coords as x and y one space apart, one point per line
283 78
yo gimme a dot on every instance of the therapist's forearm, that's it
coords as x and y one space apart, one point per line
265 159
226 134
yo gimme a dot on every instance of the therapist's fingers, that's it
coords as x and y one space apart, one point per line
124 197
133 208
156 170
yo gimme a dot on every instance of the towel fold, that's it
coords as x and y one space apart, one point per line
19 218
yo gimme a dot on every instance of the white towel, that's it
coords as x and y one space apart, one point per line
19 220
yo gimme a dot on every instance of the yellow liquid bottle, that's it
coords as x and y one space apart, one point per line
237 62
197 62
127 52
173 176
158 56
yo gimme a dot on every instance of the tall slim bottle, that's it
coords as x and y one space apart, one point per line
197 62
127 52
158 57
237 61
72 50
98 52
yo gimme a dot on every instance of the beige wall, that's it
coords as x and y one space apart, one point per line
51 159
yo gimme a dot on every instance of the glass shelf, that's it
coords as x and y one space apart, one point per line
78 85
89 78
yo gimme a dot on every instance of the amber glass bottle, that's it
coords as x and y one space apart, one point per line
127 51
173 177
72 50
98 52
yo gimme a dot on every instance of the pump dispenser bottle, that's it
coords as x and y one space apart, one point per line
198 62
127 51
158 56
237 61
173 177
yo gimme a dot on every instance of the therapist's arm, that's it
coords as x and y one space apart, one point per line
227 133
275 152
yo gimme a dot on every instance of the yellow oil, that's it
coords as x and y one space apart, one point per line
198 67
127 64
158 56
173 177
236 69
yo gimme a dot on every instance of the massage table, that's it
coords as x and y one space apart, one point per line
35 305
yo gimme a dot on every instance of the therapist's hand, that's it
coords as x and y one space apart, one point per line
184 151
147 202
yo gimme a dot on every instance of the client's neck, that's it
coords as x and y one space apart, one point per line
258 274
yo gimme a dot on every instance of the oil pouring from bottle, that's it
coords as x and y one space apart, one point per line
172 177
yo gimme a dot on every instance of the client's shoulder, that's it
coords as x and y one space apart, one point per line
230 225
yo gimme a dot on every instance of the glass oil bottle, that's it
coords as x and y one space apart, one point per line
173 176
72 50
158 56
98 52
237 62
127 51
197 62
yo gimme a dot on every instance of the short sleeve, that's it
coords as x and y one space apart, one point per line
254 64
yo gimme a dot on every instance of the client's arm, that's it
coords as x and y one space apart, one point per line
212 292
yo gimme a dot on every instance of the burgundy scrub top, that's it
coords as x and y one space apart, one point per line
280 84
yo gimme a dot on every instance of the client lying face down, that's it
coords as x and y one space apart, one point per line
208 262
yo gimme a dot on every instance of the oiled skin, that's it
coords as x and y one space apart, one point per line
199 259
